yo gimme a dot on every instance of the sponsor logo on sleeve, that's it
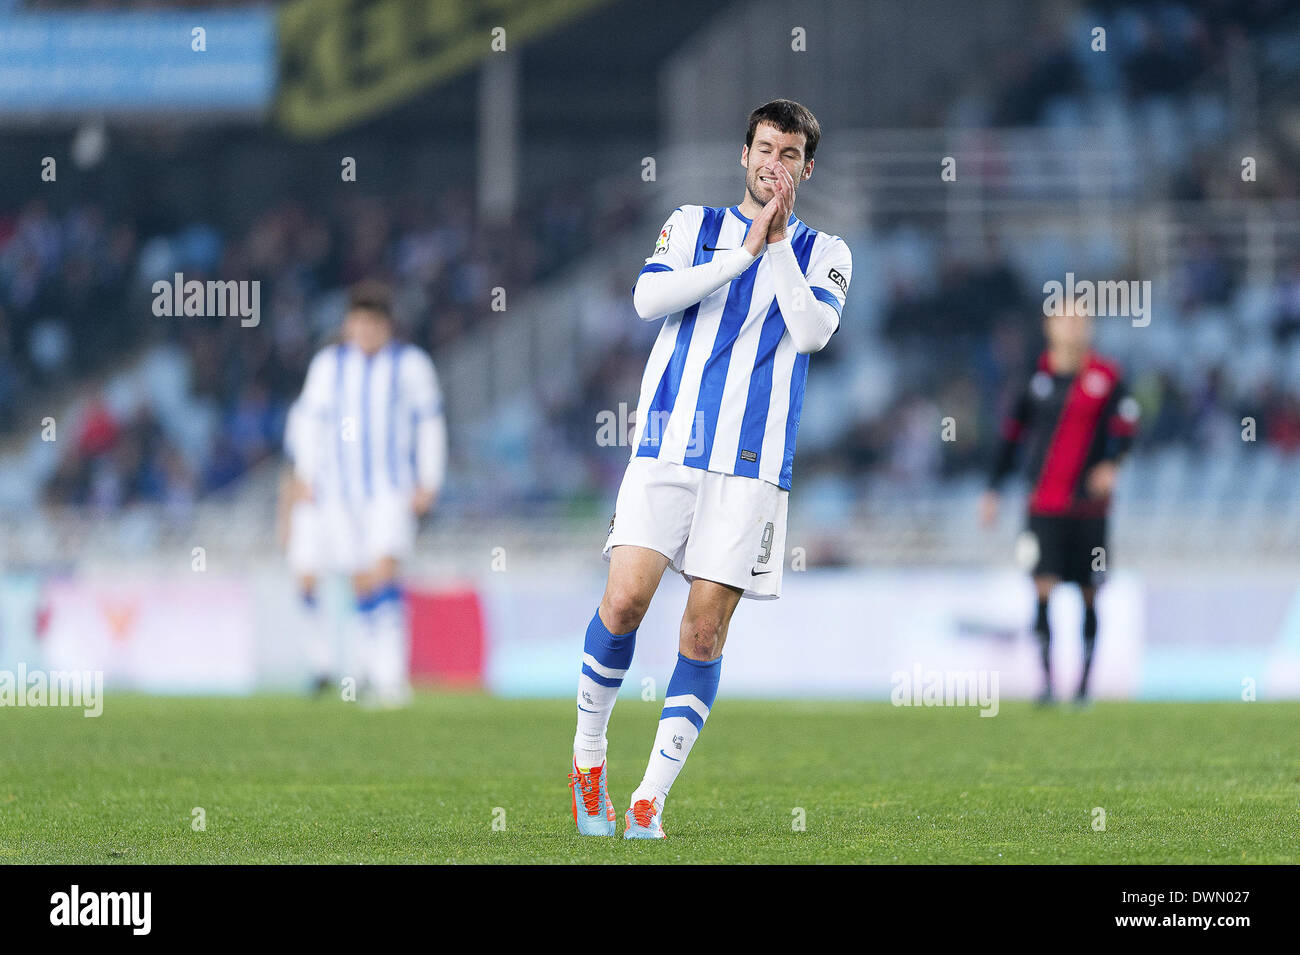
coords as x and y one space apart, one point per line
838 278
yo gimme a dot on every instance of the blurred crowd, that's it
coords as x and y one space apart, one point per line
64 282
76 302
955 330
1166 48
944 329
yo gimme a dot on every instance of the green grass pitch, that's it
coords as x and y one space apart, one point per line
292 780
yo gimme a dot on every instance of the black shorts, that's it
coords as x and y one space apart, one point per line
1068 548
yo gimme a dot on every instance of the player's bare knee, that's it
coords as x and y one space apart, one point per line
622 609
701 636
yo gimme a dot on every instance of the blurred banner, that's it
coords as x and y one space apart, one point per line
447 636
841 634
854 634
835 634
184 635
343 61
137 63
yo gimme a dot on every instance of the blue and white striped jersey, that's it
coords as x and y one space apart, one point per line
368 425
724 383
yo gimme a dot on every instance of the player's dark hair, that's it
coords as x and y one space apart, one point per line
371 295
789 117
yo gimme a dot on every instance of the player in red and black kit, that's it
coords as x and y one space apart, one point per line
1071 424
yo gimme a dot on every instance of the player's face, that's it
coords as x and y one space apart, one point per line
1072 330
368 330
771 145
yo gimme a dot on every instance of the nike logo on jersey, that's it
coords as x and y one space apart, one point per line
713 248
666 756
758 573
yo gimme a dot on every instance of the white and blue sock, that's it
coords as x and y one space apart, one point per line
387 653
605 661
691 692
320 649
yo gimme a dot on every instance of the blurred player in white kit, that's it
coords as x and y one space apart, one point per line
367 442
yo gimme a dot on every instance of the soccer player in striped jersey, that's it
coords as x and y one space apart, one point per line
1074 420
746 294
370 453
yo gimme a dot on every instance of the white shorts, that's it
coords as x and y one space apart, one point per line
338 537
710 526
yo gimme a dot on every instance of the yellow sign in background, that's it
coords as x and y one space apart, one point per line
342 61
